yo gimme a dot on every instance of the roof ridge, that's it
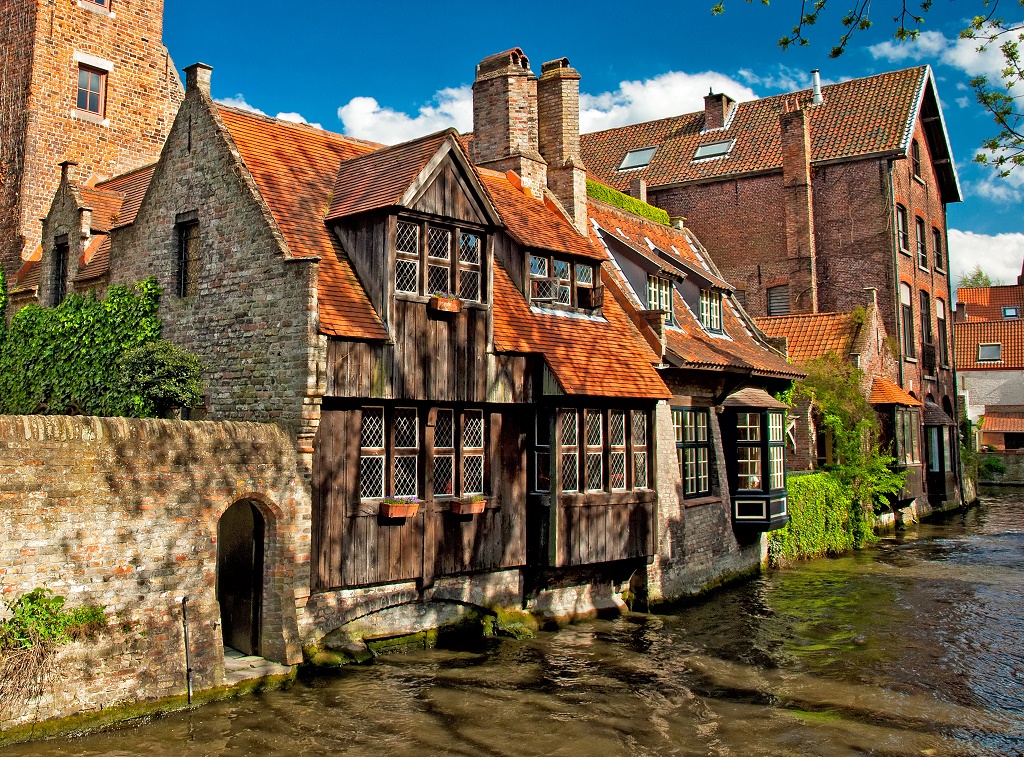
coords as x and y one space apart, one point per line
303 126
385 148
126 174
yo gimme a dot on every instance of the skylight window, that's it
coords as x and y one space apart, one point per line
1011 311
990 352
637 158
714 149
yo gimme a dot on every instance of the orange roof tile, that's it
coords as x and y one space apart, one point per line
886 392
1005 423
379 179
813 335
987 303
532 222
294 166
95 260
27 277
603 358
133 186
857 118
106 207
1009 334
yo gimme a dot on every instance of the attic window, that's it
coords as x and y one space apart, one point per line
990 352
714 149
1011 312
552 281
711 310
637 158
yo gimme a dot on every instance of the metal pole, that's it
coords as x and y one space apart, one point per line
188 654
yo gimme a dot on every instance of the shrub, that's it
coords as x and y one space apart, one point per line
157 377
991 467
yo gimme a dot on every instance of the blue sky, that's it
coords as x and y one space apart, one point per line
392 71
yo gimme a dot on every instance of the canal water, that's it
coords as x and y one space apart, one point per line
913 648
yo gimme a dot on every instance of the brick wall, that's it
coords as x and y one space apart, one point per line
124 513
142 95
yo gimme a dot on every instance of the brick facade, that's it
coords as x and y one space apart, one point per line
42 46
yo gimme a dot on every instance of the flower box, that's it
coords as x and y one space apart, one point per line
468 506
442 304
399 508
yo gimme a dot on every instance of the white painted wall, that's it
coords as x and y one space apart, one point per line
991 388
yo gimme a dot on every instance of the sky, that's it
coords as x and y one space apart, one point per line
393 71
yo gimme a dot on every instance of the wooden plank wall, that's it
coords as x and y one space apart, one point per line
448 196
602 533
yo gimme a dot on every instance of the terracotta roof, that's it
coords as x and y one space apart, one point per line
95 260
1012 423
886 392
812 335
294 166
1008 334
132 186
27 277
532 222
987 303
379 179
857 118
106 207
598 358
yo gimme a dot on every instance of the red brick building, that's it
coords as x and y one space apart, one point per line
87 81
805 199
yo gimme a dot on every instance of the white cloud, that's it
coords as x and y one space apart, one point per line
934 46
999 255
667 94
783 79
238 101
365 118
296 118
963 102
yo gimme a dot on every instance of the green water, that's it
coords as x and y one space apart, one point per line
913 648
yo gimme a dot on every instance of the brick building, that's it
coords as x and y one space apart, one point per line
87 81
806 198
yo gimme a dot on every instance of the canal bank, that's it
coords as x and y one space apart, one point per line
914 647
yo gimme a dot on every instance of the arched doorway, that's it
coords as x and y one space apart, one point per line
240 575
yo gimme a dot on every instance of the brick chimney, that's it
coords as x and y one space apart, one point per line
638 188
558 102
197 77
505 118
1020 279
716 110
799 208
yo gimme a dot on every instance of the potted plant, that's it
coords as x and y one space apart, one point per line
399 507
472 504
445 302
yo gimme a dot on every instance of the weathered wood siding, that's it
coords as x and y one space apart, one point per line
448 196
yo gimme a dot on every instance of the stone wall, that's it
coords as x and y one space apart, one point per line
1014 462
124 513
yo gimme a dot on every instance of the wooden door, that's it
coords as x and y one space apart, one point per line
240 576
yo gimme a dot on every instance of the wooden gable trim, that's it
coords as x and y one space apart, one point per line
467 175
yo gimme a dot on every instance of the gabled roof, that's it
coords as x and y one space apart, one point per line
858 118
1008 334
1005 423
597 357
987 303
27 277
95 259
132 186
813 335
886 392
106 207
294 167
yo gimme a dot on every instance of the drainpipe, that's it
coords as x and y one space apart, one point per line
188 653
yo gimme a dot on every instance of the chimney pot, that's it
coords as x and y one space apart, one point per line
197 76
558 121
66 174
872 294
678 222
816 97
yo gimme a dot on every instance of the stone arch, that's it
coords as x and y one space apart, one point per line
241 575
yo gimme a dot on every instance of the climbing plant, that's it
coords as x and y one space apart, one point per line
83 357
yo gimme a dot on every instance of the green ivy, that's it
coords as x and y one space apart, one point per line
618 199
39 616
81 358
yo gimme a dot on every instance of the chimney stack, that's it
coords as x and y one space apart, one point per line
197 77
638 188
505 119
816 98
1020 279
799 210
558 98
66 174
716 110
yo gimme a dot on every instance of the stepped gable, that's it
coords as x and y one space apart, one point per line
859 117
294 167
813 335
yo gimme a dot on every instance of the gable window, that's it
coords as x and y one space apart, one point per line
990 352
188 258
907 317
92 85
551 281
59 275
778 300
922 246
940 321
431 259
714 149
693 450
637 158
915 158
926 318
940 263
659 296
1011 312
711 310
902 229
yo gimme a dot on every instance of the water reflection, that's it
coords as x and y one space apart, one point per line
913 648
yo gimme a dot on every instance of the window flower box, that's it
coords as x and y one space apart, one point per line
469 505
399 507
445 303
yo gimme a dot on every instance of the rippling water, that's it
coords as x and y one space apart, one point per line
913 648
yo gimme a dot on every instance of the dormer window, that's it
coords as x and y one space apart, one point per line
711 310
637 158
559 281
434 259
990 353
659 296
1011 312
714 149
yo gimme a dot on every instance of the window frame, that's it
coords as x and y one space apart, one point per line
937 247
907 322
721 148
907 435
922 243
926 316
999 352
104 4
576 285
649 151
915 159
768 299
660 292
701 463
580 451
1010 312
188 265
902 229
426 257
711 316
943 331
59 274
100 92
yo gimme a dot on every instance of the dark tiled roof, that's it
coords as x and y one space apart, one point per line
857 118
294 166
812 335
886 392
1009 334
